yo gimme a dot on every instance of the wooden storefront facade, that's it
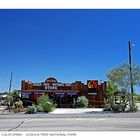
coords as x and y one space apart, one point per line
65 94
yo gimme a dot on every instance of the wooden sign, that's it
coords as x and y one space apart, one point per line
92 83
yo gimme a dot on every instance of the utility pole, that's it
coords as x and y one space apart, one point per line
11 79
130 67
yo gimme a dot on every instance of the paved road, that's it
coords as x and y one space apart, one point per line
71 122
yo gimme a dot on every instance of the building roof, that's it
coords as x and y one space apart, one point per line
51 80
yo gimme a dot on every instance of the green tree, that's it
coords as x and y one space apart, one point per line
110 103
15 95
121 76
10 99
111 88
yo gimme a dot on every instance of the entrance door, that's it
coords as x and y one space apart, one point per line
64 100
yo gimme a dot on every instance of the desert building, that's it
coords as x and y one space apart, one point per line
65 94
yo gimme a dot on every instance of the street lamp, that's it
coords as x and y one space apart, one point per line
130 68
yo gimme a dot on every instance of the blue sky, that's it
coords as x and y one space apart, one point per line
66 44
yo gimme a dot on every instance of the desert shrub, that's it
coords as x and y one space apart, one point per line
18 106
116 108
122 107
137 98
82 101
55 105
116 104
44 104
31 109
107 107
48 107
42 99
133 107
39 108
